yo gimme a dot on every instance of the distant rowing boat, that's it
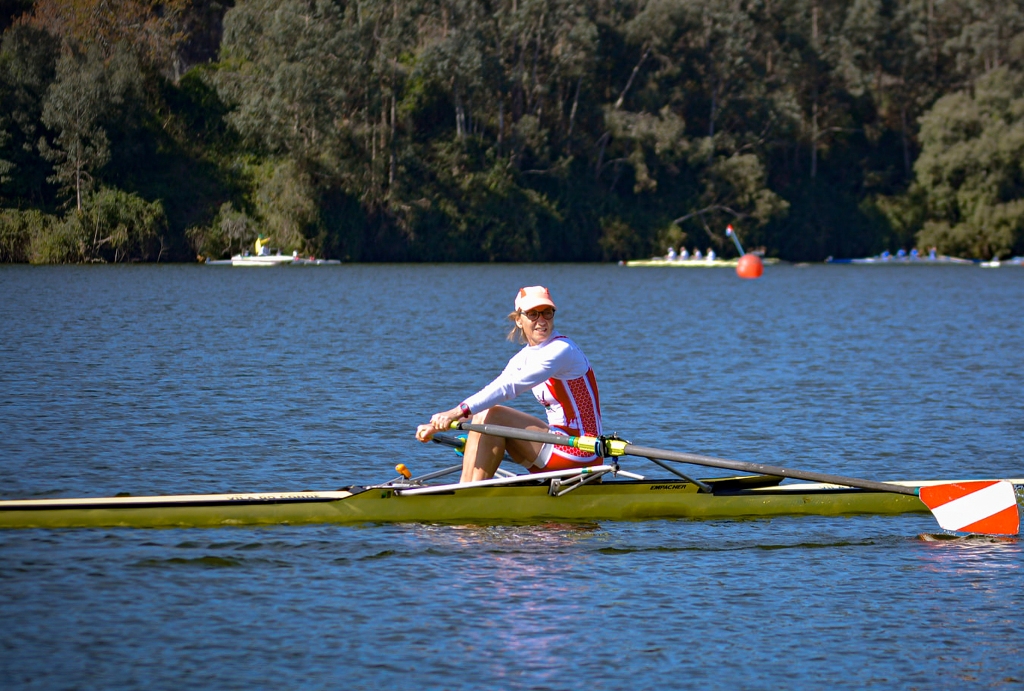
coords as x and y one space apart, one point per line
904 259
996 263
690 263
266 260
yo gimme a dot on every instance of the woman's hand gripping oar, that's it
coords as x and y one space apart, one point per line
983 506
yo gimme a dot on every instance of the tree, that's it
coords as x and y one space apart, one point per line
85 91
119 226
983 35
5 166
27 61
968 197
154 29
692 132
74 106
287 67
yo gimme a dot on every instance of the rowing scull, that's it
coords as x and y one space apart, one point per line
596 493
518 499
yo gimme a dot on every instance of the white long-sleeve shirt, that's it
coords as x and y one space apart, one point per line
561 379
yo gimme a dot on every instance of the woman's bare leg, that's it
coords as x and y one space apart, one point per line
484 451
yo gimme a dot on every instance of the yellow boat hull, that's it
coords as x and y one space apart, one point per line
615 500
692 263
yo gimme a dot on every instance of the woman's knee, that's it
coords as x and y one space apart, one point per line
491 415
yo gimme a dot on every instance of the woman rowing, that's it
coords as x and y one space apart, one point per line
561 379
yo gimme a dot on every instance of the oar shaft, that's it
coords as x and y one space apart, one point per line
588 443
762 469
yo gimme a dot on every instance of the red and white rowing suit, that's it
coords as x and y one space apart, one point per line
562 380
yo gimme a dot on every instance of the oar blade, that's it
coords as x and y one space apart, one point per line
987 507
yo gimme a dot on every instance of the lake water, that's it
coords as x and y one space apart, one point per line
192 379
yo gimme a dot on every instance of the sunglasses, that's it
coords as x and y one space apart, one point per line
534 315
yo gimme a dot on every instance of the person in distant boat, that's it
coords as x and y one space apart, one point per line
914 254
671 256
683 252
697 254
711 254
931 252
261 245
562 380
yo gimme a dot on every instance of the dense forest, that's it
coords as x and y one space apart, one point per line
509 130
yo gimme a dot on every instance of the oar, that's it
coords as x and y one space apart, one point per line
988 507
459 444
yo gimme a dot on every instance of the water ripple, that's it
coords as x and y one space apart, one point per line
153 380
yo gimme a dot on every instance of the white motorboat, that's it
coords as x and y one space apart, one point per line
276 259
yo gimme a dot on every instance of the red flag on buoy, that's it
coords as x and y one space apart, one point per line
984 506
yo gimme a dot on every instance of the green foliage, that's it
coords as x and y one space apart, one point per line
824 219
734 190
202 112
474 209
969 194
284 207
62 242
514 130
231 231
116 226
5 166
17 230
645 142
27 60
285 200
619 241
85 89
113 226
287 66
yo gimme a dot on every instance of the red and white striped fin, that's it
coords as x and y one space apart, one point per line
984 506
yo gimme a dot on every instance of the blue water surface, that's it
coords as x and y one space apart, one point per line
191 379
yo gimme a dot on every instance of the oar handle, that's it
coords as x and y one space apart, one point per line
445 440
618 447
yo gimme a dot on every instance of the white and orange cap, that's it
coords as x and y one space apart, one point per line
532 297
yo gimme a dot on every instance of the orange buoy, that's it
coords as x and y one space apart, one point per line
750 266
